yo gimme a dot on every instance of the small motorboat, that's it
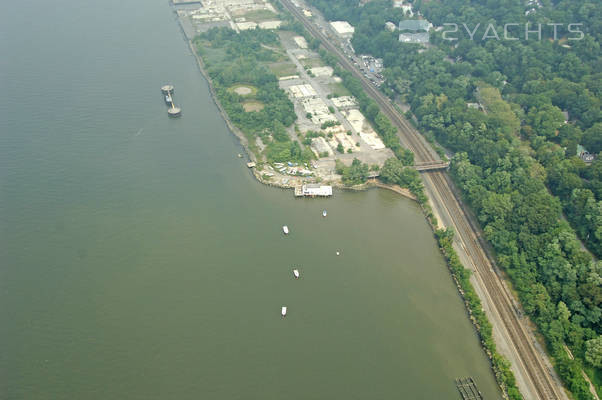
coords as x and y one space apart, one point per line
283 312
338 253
324 213
296 273
285 229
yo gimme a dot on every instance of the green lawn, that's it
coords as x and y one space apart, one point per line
312 62
283 69
338 89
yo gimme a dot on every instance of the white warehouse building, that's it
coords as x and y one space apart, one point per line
343 29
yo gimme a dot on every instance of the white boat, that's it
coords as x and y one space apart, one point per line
283 312
285 229
324 213
338 253
296 273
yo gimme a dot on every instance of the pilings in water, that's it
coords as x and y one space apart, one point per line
172 111
468 389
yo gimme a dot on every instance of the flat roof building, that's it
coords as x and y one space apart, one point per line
343 29
414 25
418 38
316 190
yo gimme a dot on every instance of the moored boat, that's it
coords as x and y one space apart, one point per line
285 229
283 312
324 213
296 273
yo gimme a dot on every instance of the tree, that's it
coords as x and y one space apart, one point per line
372 111
546 120
356 174
593 352
391 171
405 156
592 138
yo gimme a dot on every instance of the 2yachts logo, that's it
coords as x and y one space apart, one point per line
452 31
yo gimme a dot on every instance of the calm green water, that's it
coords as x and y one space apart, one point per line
140 260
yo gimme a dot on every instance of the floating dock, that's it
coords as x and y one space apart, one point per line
468 389
172 111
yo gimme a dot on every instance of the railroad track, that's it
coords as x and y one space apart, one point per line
538 375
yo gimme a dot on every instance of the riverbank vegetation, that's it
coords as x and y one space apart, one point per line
355 174
501 367
395 172
499 104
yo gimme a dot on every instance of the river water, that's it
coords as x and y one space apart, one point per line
139 259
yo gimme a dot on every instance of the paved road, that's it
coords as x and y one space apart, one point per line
533 371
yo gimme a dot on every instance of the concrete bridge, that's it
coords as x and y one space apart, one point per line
421 167
431 165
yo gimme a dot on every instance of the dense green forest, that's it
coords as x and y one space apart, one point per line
498 104
239 58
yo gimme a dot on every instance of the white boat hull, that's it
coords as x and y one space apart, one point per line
283 312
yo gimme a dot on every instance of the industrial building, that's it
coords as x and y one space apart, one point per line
414 31
314 190
343 29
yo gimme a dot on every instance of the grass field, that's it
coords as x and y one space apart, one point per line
283 69
338 89
253 105
312 62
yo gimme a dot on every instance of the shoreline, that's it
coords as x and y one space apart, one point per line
436 225
372 183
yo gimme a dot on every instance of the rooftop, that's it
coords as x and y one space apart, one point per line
414 25
420 37
342 27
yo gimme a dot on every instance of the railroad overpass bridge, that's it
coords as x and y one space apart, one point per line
431 165
420 167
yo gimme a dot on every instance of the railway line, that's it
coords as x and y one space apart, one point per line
534 370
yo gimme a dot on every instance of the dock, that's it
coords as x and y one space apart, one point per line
172 111
468 389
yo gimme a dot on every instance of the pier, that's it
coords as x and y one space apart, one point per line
172 111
